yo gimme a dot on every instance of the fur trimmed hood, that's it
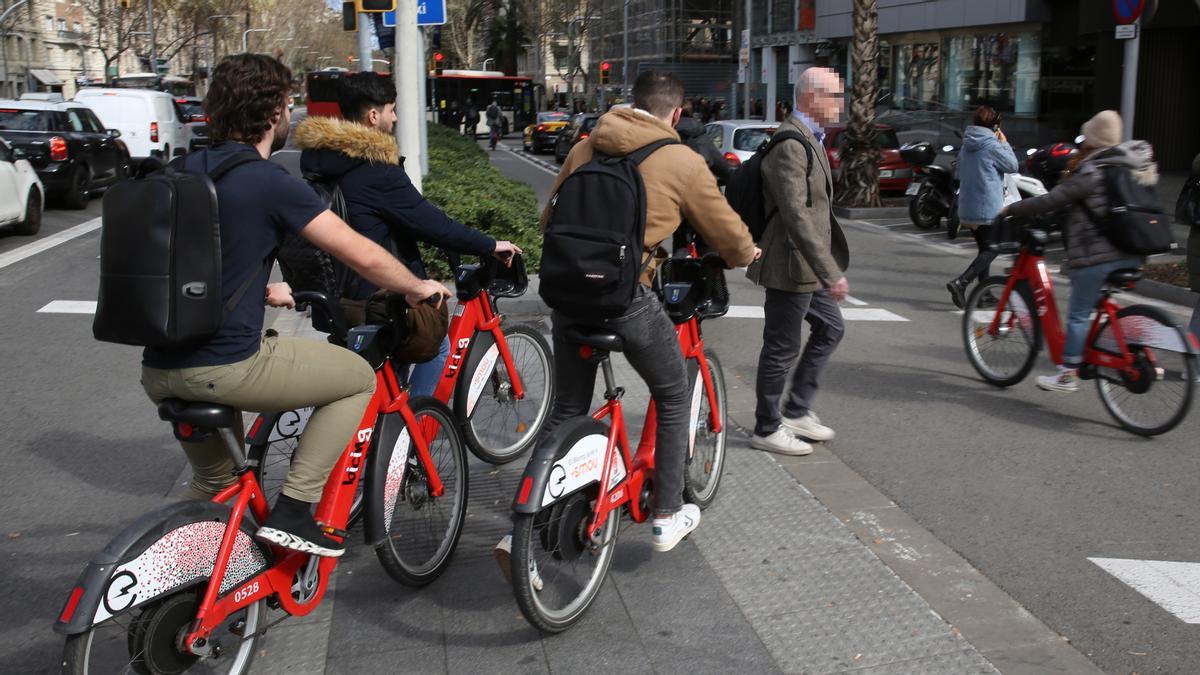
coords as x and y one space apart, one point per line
356 141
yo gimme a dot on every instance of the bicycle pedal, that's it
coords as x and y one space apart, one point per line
329 529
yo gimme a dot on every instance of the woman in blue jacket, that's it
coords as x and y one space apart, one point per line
985 157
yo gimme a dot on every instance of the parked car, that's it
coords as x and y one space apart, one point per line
580 128
191 111
894 172
738 140
21 195
73 153
148 120
543 133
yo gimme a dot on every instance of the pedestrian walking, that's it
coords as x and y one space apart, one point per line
1090 256
802 268
1187 212
985 157
471 121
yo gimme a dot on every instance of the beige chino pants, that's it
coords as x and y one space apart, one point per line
285 373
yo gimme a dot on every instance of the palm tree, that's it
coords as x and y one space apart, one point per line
505 36
859 185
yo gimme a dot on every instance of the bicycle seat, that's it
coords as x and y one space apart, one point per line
596 338
1126 277
197 414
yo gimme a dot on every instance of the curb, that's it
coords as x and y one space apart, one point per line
1157 290
881 212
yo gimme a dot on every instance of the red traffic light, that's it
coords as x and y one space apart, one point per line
605 65
439 57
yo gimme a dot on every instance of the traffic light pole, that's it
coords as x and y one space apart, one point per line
408 72
364 42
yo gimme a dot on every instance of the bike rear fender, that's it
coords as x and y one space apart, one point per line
569 459
160 553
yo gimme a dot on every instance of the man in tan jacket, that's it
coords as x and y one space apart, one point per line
804 256
678 186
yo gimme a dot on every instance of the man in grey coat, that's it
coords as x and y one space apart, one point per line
804 257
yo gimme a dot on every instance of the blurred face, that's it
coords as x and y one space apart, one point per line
823 102
383 119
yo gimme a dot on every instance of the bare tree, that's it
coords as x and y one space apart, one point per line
859 185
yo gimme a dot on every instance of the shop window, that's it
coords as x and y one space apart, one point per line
997 69
915 76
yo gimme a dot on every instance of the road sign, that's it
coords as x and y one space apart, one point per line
429 13
1126 31
1128 11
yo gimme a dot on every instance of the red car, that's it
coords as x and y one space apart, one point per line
894 172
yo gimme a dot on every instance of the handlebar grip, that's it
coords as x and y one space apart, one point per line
432 300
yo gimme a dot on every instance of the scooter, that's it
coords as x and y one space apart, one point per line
1048 162
931 197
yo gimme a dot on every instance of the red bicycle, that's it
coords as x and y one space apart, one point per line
498 378
1143 363
188 587
582 476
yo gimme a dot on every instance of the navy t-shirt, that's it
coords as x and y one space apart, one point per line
259 203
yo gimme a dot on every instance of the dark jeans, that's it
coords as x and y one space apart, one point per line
653 350
784 314
980 267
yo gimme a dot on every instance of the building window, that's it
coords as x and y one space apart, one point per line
50 23
915 75
997 69
78 27
62 24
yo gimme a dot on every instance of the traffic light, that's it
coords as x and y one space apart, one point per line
375 5
349 18
605 69
439 61
125 4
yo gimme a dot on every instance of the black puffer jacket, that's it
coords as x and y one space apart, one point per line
693 135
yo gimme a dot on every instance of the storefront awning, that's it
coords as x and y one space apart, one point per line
46 77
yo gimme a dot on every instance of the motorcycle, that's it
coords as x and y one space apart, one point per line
933 195
1048 162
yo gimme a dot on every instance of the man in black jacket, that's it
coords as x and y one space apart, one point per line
360 154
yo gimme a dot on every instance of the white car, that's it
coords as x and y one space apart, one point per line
148 120
21 195
738 140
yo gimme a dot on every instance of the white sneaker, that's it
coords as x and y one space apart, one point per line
809 427
782 442
1066 380
503 554
670 531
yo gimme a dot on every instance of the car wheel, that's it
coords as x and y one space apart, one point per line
77 195
33 215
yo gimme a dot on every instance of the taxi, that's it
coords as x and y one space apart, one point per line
542 134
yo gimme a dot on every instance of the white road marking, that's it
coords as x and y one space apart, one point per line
848 313
1174 586
69 307
520 154
855 301
46 243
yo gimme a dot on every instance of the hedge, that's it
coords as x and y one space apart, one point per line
464 184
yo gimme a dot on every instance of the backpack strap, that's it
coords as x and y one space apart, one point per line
638 156
216 175
233 163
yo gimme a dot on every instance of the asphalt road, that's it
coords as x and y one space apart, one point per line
1024 484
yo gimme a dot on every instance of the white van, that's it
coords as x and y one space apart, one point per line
148 120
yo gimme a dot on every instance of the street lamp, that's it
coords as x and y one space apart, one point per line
246 37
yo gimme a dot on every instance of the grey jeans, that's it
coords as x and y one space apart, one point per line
653 350
785 313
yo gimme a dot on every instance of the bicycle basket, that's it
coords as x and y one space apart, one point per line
508 282
1006 235
706 295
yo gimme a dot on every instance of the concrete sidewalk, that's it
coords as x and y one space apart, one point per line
772 581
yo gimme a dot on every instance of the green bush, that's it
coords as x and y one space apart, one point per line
464 184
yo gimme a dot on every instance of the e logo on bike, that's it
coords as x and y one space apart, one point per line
120 594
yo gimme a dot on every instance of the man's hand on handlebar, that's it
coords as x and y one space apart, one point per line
280 295
430 292
504 252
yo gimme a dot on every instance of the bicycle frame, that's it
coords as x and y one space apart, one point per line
1031 268
477 315
333 511
640 466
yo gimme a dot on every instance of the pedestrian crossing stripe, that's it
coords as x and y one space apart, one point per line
69 307
1174 586
848 313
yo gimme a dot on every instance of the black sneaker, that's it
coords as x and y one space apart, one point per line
958 293
291 526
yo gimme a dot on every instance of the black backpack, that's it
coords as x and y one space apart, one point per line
304 266
744 189
593 245
1135 220
160 259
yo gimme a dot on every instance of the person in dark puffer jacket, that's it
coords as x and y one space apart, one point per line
1090 256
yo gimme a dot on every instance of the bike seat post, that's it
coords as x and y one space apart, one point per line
234 448
611 390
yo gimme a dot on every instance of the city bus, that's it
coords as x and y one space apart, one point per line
320 92
172 84
453 91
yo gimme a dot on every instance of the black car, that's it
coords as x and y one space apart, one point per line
73 154
580 127
191 111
